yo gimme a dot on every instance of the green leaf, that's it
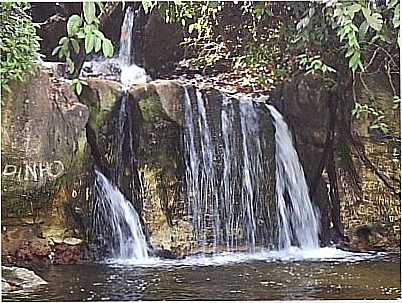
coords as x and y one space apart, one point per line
99 34
78 88
81 35
63 40
98 44
375 21
73 25
89 43
70 65
354 8
366 12
56 50
107 48
89 11
76 45
363 28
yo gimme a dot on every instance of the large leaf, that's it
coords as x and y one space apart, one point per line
89 43
375 21
89 11
73 24
354 8
107 48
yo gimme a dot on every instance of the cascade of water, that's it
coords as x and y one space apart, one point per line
228 182
192 165
223 210
130 73
201 183
115 215
299 223
252 167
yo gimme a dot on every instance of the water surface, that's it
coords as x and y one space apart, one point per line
264 276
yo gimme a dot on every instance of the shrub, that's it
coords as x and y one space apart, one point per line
19 43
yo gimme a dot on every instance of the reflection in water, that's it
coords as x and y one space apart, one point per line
378 278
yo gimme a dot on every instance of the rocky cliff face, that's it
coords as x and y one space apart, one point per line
43 147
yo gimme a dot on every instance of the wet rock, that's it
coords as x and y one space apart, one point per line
170 95
14 278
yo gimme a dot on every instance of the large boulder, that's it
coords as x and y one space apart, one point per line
17 278
43 152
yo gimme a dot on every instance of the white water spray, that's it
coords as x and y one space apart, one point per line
299 222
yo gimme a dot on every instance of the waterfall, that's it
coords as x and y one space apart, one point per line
200 175
224 208
130 72
115 217
299 223
126 37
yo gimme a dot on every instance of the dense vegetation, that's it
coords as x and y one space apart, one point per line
253 45
265 42
19 43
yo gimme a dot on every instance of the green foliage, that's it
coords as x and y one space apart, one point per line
84 30
375 116
19 43
313 65
266 41
361 27
77 85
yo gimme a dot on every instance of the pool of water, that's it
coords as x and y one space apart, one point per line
292 275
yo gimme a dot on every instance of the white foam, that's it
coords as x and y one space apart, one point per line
293 254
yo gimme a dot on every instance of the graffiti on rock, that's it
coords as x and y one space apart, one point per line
34 171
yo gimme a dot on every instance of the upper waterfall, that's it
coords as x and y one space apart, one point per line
130 72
